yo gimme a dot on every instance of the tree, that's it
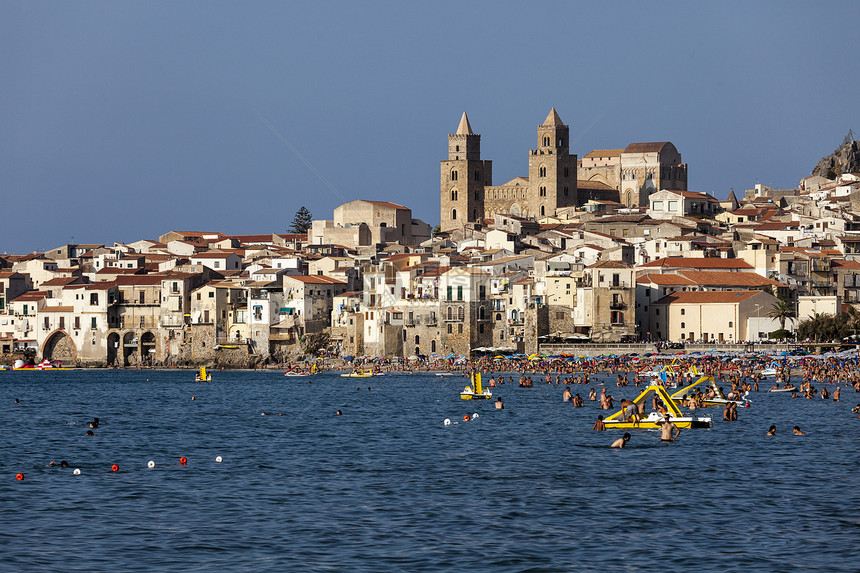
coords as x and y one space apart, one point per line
782 310
302 221
823 327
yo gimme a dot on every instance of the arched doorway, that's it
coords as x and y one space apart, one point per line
112 348
130 355
59 347
147 348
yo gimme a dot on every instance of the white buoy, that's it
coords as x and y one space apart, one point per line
475 415
218 459
77 472
447 421
150 464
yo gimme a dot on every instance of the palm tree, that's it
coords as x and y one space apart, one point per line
782 310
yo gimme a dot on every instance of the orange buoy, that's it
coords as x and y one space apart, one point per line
19 477
466 418
114 468
182 461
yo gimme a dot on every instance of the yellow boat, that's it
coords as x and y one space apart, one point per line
358 374
476 390
655 419
719 399
202 376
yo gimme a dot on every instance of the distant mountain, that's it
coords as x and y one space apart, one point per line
846 159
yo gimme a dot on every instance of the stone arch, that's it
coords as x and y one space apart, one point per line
515 210
147 347
130 347
59 346
112 348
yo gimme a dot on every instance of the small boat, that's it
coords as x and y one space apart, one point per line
772 370
358 374
475 390
296 372
203 376
655 419
718 399
789 389
46 364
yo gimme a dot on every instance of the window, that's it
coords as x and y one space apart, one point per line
542 211
454 195
683 312
731 324
542 191
657 312
482 292
481 327
461 313
683 325
673 206
417 339
566 191
450 328
481 314
77 323
657 206
454 175
566 173
450 291
477 175
454 214
199 295
94 323
94 299
542 172
459 329
450 313
217 264
460 293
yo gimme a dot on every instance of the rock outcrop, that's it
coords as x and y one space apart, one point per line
846 159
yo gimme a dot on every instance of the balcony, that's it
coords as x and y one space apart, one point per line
617 305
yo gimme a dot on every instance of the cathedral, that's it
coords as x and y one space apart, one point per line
555 180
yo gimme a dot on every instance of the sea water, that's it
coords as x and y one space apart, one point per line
387 486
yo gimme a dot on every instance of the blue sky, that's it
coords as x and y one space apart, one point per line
123 120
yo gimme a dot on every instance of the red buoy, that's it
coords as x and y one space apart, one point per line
466 418
182 461
114 468
19 477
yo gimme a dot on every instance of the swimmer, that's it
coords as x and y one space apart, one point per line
17 401
566 395
193 398
338 413
772 431
95 423
666 428
599 426
499 404
90 433
797 431
621 442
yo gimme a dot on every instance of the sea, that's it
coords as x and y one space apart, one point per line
388 486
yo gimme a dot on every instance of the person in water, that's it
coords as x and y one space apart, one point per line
666 431
567 396
621 442
772 431
599 426
95 423
499 404
797 431
90 433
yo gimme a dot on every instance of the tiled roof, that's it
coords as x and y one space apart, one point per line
664 280
651 147
728 278
709 263
704 297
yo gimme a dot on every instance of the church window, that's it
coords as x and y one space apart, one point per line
481 315
450 313
546 141
477 175
542 172
477 195
454 214
474 214
454 195
542 211
457 148
461 313
542 192
566 191
566 172
454 175
560 142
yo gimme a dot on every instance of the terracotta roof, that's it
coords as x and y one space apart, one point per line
728 278
845 264
651 147
314 279
603 153
609 265
30 295
212 255
664 280
58 309
386 204
710 263
704 297
59 281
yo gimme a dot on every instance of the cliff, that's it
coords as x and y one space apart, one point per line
846 159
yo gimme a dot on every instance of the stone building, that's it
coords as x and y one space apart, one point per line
636 171
467 191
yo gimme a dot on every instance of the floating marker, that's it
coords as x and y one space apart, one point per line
182 461
218 459
447 421
19 477
150 464
114 468
475 415
77 472
466 417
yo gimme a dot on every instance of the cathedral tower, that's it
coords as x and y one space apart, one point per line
464 176
552 169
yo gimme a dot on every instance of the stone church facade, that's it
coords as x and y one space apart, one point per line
466 180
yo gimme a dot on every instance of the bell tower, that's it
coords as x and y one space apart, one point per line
552 169
463 178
